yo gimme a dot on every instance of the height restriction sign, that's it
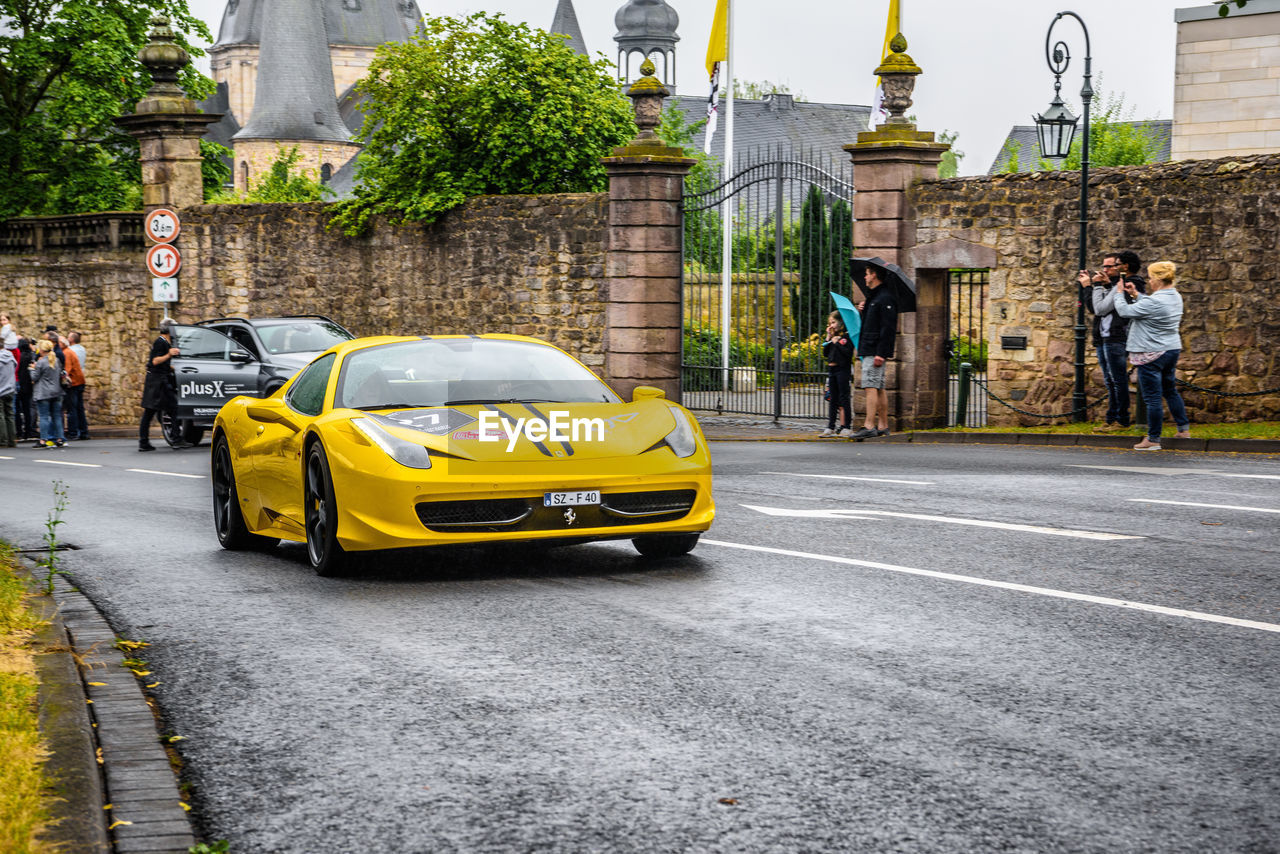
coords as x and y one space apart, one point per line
163 260
161 225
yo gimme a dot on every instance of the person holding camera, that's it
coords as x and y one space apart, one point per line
1154 346
1110 329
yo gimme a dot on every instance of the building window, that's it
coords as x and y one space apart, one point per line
326 172
244 174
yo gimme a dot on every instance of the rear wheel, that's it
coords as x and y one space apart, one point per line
665 545
327 556
172 428
228 521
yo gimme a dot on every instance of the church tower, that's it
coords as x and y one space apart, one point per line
294 102
353 28
565 23
647 28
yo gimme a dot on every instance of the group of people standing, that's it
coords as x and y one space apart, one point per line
1136 321
42 383
879 327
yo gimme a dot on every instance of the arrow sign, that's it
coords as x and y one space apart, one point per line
163 260
953 520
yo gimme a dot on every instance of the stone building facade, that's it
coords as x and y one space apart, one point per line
1218 220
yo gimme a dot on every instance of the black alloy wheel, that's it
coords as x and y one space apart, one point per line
327 556
665 545
228 521
172 429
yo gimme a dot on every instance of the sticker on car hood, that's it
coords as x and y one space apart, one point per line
437 422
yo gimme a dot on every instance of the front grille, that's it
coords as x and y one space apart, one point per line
617 509
647 504
484 513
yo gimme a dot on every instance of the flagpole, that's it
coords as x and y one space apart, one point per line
726 250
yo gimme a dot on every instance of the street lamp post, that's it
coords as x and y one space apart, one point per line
1055 129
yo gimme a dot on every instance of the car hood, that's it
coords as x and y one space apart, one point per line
508 432
293 362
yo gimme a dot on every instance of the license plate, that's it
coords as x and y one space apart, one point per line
571 499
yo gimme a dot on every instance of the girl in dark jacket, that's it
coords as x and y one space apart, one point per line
838 350
46 382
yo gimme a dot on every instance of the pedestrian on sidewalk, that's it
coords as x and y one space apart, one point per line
8 391
73 402
1154 346
73 339
24 409
46 384
838 351
1110 330
875 348
160 390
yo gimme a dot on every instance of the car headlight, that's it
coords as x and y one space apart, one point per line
405 453
681 439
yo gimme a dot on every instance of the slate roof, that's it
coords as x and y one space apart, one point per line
294 99
780 120
226 127
566 23
1023 139
362 23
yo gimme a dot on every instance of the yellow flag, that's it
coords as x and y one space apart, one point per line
878 114
718 46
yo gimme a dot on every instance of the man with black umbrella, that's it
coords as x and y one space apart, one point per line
875 342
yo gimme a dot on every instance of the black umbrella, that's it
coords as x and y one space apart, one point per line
891 275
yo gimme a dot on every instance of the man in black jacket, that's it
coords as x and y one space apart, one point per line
875 348
1111 331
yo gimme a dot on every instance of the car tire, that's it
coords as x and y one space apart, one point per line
665 545
228 521
326 554
191 434
173 429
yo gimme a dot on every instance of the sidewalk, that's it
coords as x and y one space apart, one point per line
746 428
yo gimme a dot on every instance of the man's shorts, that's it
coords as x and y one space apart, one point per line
872 377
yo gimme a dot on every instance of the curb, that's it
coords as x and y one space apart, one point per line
102 738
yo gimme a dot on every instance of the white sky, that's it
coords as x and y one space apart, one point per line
983 60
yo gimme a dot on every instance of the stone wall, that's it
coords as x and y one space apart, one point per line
1218 220
530 265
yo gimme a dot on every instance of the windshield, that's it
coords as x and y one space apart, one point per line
457 371
300 335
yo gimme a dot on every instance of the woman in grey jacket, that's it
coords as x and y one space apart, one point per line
1154 346
46 391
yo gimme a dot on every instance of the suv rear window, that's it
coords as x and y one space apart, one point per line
300 336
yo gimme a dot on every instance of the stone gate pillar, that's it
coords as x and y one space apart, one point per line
642 273
886 163
168 126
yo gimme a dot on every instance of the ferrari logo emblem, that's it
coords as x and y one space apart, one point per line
569 516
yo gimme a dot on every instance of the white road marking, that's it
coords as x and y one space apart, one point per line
851 477
6 458
1173 471
69 463
1211 506
1005 585
859 513
167 473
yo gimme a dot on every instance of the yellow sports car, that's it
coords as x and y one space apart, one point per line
397 442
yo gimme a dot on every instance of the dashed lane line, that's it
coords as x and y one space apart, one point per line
859 513
167 473
1006 585
1170 472
1210 506
851 477
70 463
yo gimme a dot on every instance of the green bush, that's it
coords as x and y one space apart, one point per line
965 349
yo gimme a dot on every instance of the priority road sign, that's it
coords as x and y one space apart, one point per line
163 260
162 225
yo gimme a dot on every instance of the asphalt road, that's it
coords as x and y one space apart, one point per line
877 647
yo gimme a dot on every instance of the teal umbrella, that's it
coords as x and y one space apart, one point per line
852 320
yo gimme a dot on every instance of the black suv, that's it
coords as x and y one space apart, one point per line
230 356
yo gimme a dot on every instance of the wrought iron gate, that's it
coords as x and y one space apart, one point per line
967 342
791 240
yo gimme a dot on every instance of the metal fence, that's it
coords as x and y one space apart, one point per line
791 239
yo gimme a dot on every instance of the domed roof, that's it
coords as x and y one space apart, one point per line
646 21
364 23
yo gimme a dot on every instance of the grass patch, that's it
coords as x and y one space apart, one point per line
22 812
1234 430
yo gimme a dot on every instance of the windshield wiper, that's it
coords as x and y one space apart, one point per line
388 406
500 400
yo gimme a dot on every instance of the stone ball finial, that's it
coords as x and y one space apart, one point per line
647 68
646 96
898 78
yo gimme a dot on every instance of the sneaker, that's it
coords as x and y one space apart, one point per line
1182 434
147 447
862 433
58 443
41 445
1147 445
828 433
843 432
884 432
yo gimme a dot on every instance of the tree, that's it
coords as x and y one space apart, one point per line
66 70
478 105
703 229
809 297
950 165
215 173
1114 138
1224 6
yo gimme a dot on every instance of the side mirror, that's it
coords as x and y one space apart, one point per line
646 392
271 415
241 356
